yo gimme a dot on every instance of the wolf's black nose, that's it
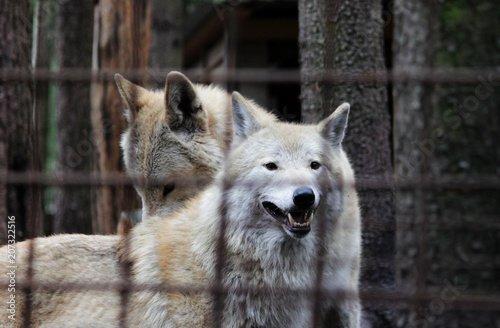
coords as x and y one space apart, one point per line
303 197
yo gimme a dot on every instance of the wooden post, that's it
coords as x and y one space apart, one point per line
123 43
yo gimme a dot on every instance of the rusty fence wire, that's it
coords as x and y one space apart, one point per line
489 75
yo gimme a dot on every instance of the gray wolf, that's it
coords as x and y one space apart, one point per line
286 197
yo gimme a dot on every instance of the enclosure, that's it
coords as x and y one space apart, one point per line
422 78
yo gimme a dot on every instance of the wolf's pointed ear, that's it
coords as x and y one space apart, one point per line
333 127
183 104
244 121
130 93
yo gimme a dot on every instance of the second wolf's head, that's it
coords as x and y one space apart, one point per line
175 140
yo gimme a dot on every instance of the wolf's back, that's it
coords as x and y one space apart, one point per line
72 276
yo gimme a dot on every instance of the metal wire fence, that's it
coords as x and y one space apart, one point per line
438 75
217 290
384 297
127 286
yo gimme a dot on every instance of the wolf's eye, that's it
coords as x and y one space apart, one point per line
168 189
271 166
315 165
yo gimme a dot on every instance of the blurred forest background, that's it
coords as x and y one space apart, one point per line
422 78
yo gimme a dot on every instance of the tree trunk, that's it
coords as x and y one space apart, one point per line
123 43
20 151
74 129
312 33
348 36
411 49
448 239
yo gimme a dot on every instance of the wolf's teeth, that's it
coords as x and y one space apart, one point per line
310 218
293 223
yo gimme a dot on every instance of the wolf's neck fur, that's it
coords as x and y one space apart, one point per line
271 263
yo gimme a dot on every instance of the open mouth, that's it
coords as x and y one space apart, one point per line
296 222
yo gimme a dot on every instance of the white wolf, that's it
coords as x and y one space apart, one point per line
287 197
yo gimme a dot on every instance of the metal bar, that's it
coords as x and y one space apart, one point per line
28 287
489 76
219 293
321 260
127 283
481 302
484 182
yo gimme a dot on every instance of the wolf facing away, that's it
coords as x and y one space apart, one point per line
178 137
286 191
182 131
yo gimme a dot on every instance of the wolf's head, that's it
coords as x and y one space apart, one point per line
175 139
283 175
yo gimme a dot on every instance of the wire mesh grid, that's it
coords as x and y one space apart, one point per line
217 289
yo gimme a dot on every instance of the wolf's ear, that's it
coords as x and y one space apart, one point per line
244 120
333 127
130 93
183 104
